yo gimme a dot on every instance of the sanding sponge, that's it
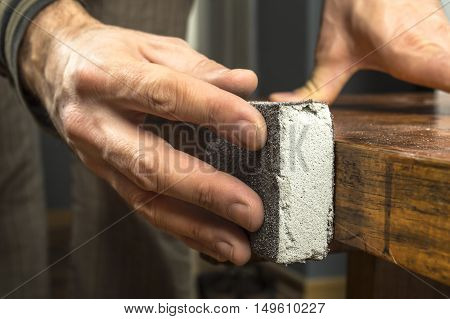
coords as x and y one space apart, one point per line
294 176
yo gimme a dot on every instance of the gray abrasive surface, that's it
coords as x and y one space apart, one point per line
294 176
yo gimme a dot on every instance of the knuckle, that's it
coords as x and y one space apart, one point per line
77 127
208 70
211 114
74 122
154 216
203 195
138 164
86 79
146 205
159 183
166 94
178 41
195 232
138 201
145 167
203 64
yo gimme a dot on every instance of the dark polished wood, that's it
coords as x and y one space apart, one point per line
392 196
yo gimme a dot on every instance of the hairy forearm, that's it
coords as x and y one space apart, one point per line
48 34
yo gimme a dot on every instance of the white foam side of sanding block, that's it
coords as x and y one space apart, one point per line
305 182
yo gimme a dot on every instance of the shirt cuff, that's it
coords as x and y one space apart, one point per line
17 16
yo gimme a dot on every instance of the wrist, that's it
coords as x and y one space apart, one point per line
43 48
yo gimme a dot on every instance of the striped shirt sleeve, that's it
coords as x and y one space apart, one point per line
15 17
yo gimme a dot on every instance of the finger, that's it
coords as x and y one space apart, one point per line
200 229
149 204
202 249
241 82
153 165
325 84
155 89
430 68
177 55
238 81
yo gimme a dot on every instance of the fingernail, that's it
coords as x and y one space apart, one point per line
225 250
240 214
248 133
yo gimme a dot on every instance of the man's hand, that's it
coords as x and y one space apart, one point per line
99 82
382 35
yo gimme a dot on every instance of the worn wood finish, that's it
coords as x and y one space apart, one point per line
392 195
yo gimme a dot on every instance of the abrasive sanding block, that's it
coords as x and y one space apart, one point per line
294 176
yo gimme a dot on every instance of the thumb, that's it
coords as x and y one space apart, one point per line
326 81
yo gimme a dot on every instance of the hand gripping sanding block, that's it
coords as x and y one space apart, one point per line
294 176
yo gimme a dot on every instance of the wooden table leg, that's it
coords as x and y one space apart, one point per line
372 277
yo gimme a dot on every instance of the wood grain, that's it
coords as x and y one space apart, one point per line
392 195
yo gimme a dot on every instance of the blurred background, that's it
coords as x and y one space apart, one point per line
277 40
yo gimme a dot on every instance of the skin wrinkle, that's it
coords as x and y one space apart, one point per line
90 92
